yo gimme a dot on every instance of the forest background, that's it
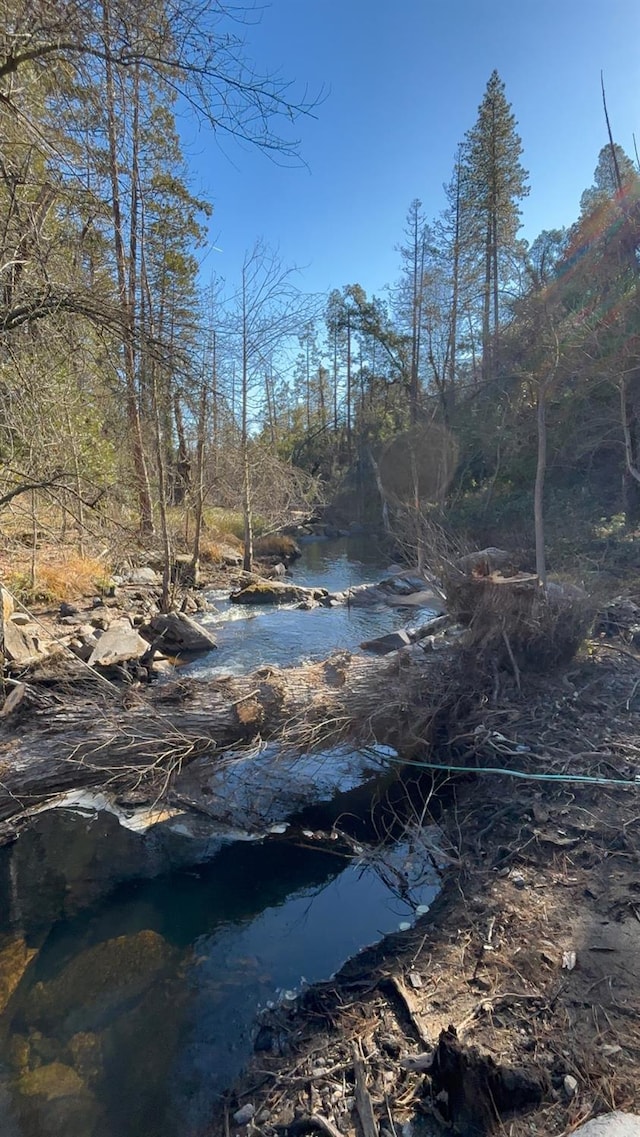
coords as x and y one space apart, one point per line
137 399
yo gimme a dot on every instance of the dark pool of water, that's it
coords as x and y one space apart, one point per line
135 1014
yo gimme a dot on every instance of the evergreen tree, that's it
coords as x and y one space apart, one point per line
494 183
611 166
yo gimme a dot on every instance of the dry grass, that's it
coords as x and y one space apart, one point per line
68 578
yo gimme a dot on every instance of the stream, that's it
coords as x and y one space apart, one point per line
134 963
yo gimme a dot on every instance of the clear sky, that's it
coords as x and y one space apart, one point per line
401 83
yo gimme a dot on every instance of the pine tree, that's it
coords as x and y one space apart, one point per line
494 183
611 165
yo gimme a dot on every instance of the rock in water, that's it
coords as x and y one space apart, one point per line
273 592
177 634
384 644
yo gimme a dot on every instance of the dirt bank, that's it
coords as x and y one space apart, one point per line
532 951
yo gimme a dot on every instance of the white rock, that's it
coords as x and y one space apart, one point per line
570 1085
616 1124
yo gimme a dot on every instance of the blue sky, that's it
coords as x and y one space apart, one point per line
401 83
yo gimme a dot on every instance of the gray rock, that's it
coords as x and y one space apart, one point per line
21 618
243 1116
142 576
101 619
67 609
273 592
179 634
18 646
118 645
232 560
384 644
616 1124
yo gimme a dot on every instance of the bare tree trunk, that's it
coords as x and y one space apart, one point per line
271 405
486 308
247 560
538 493
455 281
630 418
183 465
165 601
76 474
199 487
335 381
349 385
124 292
383 497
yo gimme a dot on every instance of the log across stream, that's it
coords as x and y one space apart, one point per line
75 738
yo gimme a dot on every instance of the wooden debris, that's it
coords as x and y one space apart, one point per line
364 1104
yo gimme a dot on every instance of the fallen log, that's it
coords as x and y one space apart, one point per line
60 740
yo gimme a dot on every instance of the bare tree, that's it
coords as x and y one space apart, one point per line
271 311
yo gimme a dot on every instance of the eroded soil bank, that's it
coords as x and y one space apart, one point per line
531 952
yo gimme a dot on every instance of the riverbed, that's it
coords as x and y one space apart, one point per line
133 998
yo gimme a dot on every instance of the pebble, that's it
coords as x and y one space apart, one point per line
570 1085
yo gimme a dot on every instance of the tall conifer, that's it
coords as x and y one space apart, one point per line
495 183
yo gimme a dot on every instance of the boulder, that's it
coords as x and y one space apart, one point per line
425 599
119 644
145 575
382 645
177 634
486 561
98 982
274 592
18 646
